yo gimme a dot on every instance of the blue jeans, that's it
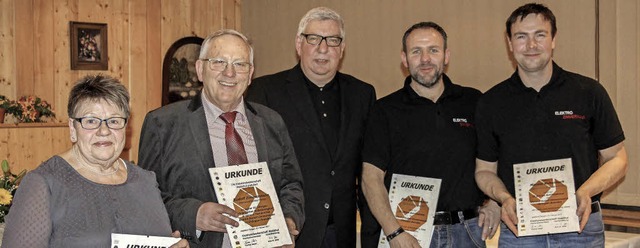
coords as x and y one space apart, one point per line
466 234
591 236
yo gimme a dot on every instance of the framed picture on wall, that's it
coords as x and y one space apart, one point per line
89 49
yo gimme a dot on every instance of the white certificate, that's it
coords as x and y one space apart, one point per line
119 240
545 197
249 190
414 200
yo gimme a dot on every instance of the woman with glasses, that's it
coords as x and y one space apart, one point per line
81 196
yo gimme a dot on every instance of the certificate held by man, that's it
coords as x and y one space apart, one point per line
546 197
413 200
249 190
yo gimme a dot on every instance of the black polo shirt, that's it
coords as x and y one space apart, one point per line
571 117
409 134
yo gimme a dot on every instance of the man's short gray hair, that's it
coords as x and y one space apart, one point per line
321 14
205 44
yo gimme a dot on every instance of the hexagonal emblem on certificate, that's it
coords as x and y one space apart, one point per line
253 206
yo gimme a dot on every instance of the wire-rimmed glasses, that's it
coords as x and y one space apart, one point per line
221 65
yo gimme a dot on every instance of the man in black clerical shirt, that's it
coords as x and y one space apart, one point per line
324 111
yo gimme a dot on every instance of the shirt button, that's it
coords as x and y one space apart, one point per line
321 88
322 102
325 114
326 205
333 173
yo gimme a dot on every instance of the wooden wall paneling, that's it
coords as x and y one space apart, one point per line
203 18
117 17
200 17
237 5
28 147
176 22
4 144
32 138
154 54
7 49
20 151
60 139
228 14
43 47
64 77
138 76
24 33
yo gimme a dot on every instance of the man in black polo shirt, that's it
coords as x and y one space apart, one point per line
543 112
426 129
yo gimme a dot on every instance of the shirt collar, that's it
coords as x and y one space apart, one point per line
331 86
450 90
214 111
554 81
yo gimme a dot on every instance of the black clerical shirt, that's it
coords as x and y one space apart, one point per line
326 101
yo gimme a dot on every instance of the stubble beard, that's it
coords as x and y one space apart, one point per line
423 81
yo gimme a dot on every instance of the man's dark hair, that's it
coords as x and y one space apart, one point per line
423 25
532 8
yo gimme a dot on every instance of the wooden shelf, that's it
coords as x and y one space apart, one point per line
34 125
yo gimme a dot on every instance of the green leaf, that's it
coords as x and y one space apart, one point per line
5 166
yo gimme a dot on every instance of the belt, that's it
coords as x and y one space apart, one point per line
454 217
595 207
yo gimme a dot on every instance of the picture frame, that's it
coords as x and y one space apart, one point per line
89 46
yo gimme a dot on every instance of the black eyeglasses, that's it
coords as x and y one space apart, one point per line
91 123
221 65
314 39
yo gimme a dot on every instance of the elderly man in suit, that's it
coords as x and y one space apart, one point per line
179 142
325 112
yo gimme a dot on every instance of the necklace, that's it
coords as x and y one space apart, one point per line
93 169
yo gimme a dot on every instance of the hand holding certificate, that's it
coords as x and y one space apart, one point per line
248 190
545 197
414 200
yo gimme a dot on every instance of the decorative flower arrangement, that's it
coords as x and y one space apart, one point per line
8 185
31 109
